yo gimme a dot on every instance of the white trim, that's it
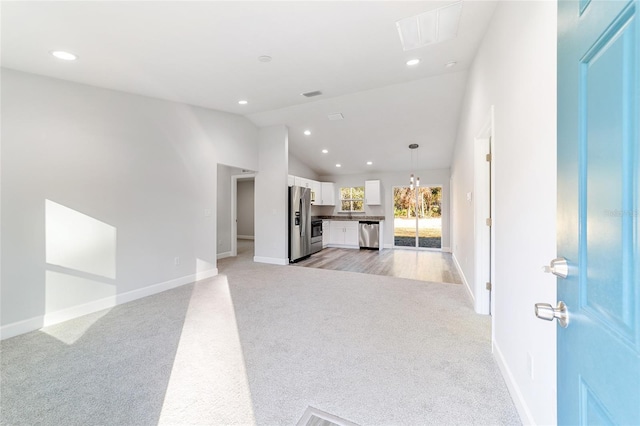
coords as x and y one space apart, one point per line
345 246
246 237
223 255
25 326
446 249
209 273
388 246
234 210
464 279
483 207
271 260
518 399
21 327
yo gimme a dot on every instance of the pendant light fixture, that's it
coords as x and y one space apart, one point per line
414 182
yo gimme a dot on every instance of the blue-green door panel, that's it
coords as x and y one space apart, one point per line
598 192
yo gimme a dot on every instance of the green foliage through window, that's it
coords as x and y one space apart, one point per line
352 199
423 202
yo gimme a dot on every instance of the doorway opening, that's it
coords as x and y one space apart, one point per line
242 211
417 217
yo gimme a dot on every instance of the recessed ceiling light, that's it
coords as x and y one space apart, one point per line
412 62
338 165
243 102
324 151
369 163
264 58
60 54
307 132
450 64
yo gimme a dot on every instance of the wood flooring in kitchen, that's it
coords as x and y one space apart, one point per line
423 265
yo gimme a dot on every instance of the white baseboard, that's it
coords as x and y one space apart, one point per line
346 246
223 255
388 246
271 260
464 280
21 327
246 237
446 249
518 400
35 323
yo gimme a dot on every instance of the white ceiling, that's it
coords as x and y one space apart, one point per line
206 53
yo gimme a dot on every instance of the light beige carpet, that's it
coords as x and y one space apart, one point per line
258 345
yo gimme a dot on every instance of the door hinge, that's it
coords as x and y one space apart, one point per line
488 157
489 222
488 286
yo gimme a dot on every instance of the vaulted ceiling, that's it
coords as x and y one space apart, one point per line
207 53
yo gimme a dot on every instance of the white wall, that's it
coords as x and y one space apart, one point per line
439 177
515 70
298 168
138 173
271 196
246 206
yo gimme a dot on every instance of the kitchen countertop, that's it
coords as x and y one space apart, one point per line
350 217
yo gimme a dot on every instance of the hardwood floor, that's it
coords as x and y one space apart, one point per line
420 265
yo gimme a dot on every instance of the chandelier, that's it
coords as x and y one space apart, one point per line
414 182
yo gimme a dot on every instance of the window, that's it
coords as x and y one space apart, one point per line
352 199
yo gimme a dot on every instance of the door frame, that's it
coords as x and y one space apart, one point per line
234 209
484 206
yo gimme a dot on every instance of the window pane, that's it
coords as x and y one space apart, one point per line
358 193
358 206
346 205
345 193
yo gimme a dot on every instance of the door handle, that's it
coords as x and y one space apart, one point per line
547 312
558 267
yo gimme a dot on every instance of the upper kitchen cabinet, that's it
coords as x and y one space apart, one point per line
303 182
291 180
328 194
316 196
372 192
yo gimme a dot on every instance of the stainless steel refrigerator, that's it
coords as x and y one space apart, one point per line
299 223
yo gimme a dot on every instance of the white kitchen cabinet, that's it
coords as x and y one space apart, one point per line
324 192
316 197
344 233
303 182
328 191
326 229
372 192
351 234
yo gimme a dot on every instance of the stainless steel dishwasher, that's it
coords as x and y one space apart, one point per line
369 234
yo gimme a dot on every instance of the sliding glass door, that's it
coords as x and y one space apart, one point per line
417 216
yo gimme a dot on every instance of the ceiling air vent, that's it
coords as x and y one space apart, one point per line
312 94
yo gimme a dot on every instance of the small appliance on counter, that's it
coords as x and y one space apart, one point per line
299 223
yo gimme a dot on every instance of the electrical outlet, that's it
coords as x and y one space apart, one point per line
176 261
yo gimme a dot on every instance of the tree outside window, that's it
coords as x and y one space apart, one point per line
352 199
